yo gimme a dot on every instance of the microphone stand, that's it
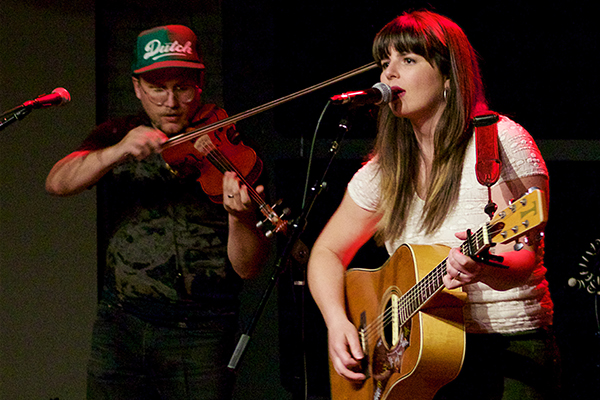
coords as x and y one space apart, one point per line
296 228
13 115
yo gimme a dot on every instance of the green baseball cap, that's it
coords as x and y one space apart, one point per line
166 47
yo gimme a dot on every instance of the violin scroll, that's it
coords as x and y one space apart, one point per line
273 223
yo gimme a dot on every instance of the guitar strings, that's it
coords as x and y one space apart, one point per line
433 279
384 319
416 292
482 237
409 297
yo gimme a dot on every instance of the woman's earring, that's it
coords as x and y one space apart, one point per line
445 94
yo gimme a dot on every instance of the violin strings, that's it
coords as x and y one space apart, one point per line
223 164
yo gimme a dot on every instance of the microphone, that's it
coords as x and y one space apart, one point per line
379 94
58 97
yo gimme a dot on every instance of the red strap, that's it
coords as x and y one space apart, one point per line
488 163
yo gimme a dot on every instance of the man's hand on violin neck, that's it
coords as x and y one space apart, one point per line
236 198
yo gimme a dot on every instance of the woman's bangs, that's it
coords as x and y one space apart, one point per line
403 39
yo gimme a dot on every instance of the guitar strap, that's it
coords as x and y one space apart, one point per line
488 164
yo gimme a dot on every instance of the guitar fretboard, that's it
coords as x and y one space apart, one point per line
412 301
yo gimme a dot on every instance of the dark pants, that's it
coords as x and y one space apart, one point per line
134 359
523 366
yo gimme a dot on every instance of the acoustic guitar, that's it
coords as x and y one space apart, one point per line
410 326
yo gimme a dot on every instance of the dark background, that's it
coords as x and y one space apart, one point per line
539 63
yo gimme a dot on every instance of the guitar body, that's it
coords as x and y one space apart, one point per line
412 360
411 328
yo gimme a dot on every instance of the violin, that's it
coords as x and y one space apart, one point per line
219 151
211 155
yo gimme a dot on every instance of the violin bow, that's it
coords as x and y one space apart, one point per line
175 140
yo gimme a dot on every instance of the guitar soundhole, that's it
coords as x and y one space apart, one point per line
389 349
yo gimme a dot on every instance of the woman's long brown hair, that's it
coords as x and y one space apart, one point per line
443 44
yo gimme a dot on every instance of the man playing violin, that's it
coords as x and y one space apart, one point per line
175 260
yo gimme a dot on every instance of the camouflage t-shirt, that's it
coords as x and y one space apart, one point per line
166 242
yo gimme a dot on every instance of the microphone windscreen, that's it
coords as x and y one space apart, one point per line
64 94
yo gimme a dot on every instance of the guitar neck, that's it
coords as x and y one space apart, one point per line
416 297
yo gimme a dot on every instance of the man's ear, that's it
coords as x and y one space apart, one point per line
136 87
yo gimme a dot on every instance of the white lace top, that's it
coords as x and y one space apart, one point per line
487 310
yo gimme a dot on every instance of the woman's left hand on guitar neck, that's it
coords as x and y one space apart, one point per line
463 269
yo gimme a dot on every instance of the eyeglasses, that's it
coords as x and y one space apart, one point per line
159 96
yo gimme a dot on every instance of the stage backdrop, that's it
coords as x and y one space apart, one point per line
539 64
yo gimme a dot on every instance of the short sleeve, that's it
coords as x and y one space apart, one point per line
519 154
364 187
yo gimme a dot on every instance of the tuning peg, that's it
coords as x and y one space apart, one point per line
286 211
273 222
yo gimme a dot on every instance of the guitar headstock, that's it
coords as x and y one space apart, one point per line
521 216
